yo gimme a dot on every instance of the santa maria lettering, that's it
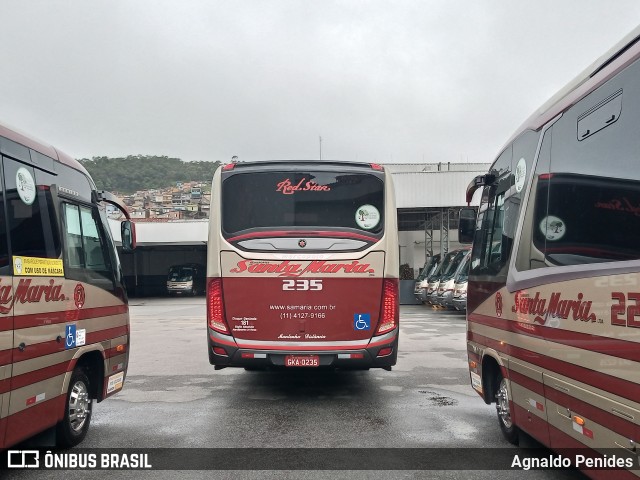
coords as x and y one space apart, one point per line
289 269
25 292
556 307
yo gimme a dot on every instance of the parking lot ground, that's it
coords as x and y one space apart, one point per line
173 398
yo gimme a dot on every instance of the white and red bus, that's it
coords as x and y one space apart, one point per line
553 303
302 266
64 319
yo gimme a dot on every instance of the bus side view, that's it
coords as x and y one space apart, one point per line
303 266
64 320
553 306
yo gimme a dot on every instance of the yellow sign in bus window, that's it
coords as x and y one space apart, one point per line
38 267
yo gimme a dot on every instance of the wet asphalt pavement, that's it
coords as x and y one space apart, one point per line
174 398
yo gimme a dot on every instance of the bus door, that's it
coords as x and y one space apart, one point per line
37 289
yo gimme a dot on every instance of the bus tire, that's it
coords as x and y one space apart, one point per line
77 411
509 429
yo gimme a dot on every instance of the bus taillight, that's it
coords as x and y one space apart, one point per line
215 307
390 306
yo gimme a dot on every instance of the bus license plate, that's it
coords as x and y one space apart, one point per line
301 361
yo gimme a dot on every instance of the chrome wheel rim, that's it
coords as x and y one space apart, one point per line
502 404
79 406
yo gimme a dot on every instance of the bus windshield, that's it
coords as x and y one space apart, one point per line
301 200
180 274
455 259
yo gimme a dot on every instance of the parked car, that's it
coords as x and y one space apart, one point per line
446 297
420 289
188 279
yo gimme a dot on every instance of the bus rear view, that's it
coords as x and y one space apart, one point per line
303 266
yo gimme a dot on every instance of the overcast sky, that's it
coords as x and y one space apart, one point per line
386 81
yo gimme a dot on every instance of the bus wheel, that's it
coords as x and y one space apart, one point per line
509 430
77 412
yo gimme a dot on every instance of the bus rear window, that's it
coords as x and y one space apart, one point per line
311 199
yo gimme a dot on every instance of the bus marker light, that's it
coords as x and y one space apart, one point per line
344 356
219 351
578 420
120 348
473 364
385 351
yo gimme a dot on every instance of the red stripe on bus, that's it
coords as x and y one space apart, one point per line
301 233
53 346
473 357
109 333
5 356
594 343
113 352
382 342
63 316
39 375
526 382
296 348
28 422
591 377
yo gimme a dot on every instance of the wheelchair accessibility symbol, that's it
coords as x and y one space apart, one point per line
70 337
361 321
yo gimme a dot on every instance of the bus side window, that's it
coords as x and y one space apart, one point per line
30 212
87 257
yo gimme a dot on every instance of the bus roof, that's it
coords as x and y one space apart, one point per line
605 67
40 147
273 164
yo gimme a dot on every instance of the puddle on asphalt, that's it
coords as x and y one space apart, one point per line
439 400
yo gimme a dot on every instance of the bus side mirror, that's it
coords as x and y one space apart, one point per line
128 235
467 225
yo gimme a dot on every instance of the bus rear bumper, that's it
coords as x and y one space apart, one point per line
381 352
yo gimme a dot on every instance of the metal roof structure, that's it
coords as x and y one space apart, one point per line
433 189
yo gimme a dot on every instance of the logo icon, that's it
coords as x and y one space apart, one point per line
498 304
78 295
302 243
70 337
361 321
23 459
